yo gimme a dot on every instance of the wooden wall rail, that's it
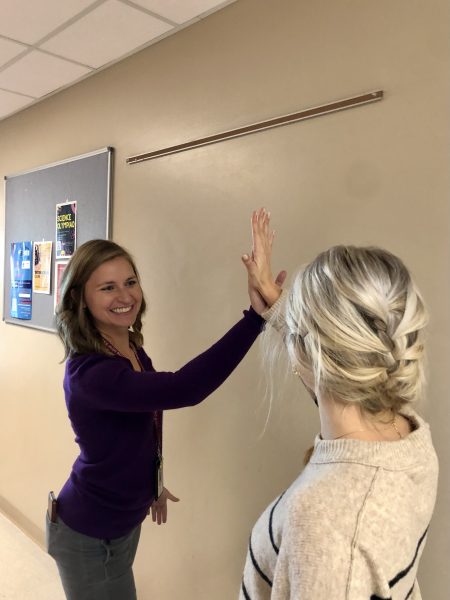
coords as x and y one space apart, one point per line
308 113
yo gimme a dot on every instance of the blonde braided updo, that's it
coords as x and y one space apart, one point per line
355 318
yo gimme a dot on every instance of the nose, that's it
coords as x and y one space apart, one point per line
125 296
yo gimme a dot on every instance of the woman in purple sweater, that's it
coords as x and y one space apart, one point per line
115 400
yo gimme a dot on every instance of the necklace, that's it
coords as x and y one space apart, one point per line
116 352
392 423
349 433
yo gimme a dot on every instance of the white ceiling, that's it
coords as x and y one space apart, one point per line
47 45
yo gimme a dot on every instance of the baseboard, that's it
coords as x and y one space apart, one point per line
29 528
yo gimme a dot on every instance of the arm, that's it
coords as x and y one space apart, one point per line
109 383
315 559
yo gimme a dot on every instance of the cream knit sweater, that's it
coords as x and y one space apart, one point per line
352 526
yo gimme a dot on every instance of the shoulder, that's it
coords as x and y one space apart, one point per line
327 498
80 365
76 360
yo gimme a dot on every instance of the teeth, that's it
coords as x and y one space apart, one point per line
125 309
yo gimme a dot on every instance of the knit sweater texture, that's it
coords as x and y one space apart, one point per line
112 410
352 526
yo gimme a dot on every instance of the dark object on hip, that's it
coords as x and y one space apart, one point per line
51 510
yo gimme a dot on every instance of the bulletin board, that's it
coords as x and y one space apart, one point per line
30 204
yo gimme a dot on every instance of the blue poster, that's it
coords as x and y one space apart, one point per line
21 278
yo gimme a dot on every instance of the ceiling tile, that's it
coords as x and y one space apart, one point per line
9 50
38 74
29 22
107 33
10 102
180 11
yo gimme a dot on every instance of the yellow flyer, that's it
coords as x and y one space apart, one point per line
42 267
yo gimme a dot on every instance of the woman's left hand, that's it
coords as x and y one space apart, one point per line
159 507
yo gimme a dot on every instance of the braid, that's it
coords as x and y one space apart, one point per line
361 319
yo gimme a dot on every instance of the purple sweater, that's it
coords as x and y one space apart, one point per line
111 409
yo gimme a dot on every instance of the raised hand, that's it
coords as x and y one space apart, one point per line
262 288
159 507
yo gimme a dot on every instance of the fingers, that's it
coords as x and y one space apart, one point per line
249 263
266 221
172 497
159 513
261 219
261 235
281 278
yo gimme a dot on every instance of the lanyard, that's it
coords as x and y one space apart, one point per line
157 414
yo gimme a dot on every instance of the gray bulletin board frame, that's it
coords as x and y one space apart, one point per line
30 215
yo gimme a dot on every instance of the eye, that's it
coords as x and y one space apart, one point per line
132 282
107 288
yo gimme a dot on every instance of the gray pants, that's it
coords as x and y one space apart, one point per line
91 568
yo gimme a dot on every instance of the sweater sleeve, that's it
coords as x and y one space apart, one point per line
109 382
275 315
322 533
314 560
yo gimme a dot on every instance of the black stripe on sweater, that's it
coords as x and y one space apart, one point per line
275 547
244 591
402 574
408 595
255 564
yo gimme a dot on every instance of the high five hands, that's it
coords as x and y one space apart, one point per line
262 288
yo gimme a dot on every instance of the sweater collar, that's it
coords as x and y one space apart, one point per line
390 455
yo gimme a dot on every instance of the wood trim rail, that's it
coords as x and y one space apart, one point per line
308 113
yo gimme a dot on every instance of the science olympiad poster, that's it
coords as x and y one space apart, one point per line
42 265
66 229
21 280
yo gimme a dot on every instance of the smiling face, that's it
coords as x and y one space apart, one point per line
113 296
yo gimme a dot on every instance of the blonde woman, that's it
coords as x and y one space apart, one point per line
354 524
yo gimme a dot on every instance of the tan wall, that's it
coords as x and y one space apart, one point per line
376 174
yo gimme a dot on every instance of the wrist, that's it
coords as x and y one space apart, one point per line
274 312
271 293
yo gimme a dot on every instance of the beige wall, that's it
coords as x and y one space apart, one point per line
376 174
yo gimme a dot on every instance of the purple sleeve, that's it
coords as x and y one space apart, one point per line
110 383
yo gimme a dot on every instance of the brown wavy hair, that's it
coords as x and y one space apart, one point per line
74 323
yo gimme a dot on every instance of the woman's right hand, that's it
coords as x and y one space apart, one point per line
262 288
159 506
